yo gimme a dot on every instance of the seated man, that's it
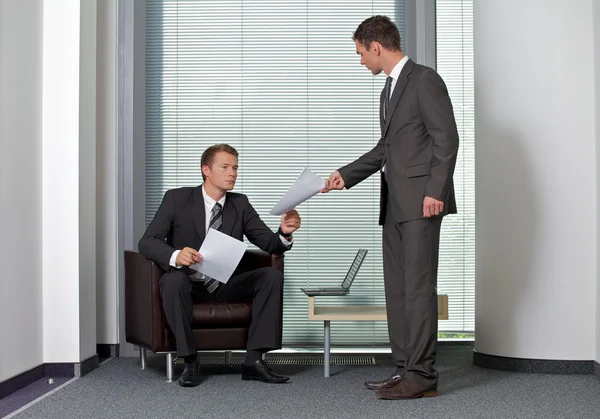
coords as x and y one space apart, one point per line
178 230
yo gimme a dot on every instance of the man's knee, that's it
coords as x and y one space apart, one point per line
275 274
173 283
272 276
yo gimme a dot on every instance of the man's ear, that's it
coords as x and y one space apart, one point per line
376 47
205 170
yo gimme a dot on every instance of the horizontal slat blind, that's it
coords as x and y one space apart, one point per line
454 40
281 82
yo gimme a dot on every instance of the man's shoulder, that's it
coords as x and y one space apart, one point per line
179 196
422 72
237 198
181 192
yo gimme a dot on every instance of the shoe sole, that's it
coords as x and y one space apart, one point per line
432 393
189 384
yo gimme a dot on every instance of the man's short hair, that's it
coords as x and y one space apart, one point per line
378 29
209 154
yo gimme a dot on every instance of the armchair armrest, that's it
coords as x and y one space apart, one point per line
255 258
144 317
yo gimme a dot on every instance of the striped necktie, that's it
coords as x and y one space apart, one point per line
216 220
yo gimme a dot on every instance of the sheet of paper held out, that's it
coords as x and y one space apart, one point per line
221 254
304 187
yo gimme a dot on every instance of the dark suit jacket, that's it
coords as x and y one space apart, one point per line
180 222
418 146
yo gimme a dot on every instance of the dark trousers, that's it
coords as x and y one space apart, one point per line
410 263
263 287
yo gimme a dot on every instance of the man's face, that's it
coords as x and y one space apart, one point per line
369 59
222 173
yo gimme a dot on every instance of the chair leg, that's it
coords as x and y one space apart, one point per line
170 367
228 358
143 357
327 347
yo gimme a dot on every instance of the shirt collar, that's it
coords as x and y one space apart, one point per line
398 68
209 202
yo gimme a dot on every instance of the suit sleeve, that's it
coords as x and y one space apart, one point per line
260 234
153 244
364 166
438 116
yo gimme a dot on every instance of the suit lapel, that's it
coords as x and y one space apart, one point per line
398 90
381 120
198 212
229 215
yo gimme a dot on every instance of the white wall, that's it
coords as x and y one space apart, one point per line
70 162
68 180
107 176
47 182
536 179
60 176
596 15
20 186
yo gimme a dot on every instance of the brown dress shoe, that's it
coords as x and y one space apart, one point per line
407 390
388 383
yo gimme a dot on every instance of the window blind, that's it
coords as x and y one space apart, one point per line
281 82
454 51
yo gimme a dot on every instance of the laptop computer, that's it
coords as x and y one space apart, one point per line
343 289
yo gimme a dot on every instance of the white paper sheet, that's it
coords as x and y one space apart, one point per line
221 254
304 187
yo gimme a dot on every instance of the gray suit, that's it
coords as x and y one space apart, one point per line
418 146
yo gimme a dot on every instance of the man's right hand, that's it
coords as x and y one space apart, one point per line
188 256
334 181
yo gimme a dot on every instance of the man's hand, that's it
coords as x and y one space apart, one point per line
334 181
432 207
290 222
188 256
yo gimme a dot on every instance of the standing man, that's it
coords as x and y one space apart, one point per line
416 156
179 228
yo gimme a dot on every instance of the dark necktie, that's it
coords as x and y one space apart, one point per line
386 96
216 220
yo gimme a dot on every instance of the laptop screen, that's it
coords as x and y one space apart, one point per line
358 260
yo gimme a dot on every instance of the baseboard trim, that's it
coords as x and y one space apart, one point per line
541 366
456 342
71 369
107 350
22 380
58 369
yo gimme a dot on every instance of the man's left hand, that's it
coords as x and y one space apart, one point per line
290 222
432 207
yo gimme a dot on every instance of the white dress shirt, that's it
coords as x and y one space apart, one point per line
209 203
395 74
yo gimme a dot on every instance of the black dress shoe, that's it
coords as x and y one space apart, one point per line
190 377
261 372
386 384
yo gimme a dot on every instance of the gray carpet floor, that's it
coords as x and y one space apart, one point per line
120 389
